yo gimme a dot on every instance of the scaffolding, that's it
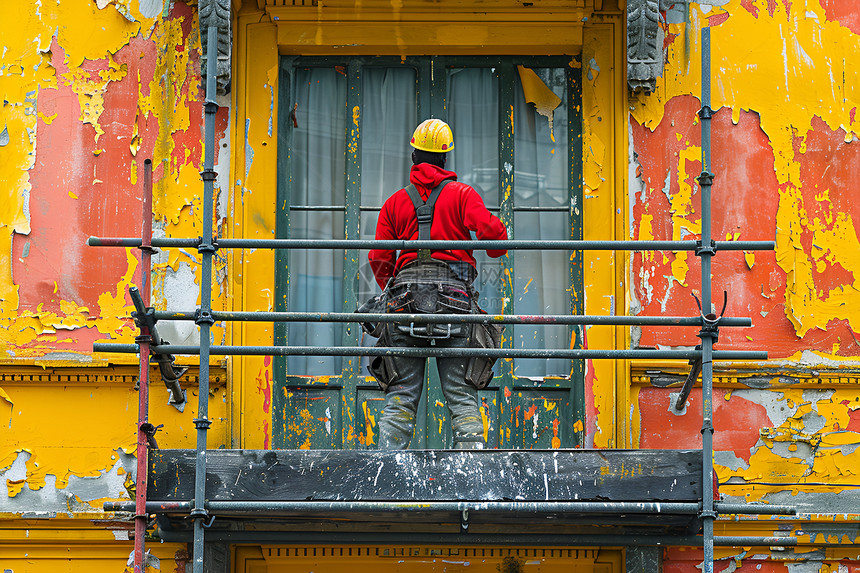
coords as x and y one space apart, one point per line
202 512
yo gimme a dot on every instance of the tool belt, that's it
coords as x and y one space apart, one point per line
430 286
479 370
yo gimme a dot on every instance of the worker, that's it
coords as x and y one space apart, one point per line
438 281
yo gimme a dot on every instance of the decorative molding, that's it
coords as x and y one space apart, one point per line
673 379
459 5
280 553
122 376
291 2
644 45
217 13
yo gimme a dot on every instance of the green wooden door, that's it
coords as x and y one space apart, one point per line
343 149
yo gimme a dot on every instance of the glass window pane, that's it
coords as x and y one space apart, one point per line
318 162
542 278
541 144
389 115
473 113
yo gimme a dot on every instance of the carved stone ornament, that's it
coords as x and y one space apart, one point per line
644 45
217 13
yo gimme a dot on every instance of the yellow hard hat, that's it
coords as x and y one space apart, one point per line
433 135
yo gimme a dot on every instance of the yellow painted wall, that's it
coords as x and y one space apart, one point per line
94 87
275 559
91 89
784 89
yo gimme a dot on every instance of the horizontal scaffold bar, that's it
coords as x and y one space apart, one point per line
398 245
373 208
451 318
434 352
517 539
224 507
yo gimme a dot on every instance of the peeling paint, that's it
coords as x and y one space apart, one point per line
91 89
781 175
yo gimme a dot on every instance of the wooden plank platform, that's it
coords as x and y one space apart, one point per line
431 475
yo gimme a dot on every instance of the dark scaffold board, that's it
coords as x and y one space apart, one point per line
431 475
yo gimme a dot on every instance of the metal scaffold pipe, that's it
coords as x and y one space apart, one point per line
398 245
204 320
583 507
516 539
450 318
143 425
433 352
707 335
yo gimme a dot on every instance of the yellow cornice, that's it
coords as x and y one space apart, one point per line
436 5
125 375
766 375
424 27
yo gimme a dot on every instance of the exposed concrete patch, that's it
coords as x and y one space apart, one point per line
180 292
778 409
817 503
813 422
730 460
814 396
673 397
810 566
76 497
150 8
796 449
831 532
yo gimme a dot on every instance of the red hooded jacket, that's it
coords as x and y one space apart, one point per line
459 210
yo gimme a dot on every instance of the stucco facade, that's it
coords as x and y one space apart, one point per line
91 88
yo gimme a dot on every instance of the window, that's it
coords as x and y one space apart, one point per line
343 145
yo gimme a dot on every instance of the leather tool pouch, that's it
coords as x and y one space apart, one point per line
479 370
383 367
374 305
429 287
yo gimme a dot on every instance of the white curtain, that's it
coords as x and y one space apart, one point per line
389 114
318 167
473 112
542 278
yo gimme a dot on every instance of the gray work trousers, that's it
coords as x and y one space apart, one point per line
404 394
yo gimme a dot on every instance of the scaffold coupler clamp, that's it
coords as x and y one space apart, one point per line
143 317
208 174
203 317
707 426
202 514
205 245
149 431
710 320
702 249
148 249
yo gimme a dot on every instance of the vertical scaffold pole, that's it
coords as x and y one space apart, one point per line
140 515
204 315
705 252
